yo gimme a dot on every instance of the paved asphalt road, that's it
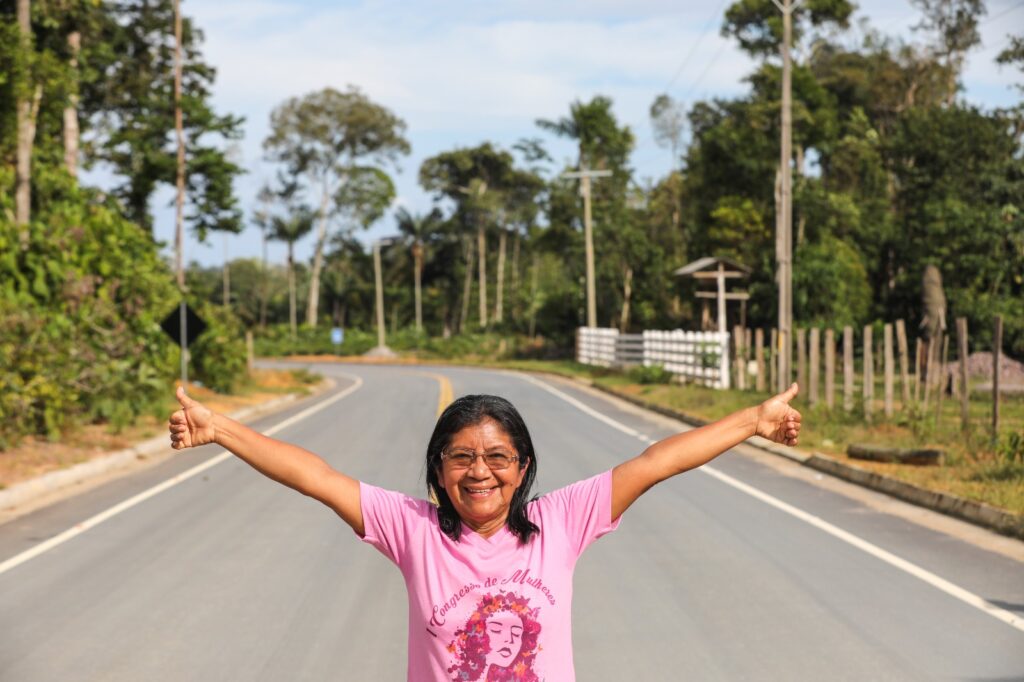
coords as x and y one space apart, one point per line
228 576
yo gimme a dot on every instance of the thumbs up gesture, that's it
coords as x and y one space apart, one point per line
192 425
777 421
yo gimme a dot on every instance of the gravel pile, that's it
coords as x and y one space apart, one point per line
979 367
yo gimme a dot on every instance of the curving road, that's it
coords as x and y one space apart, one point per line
752 570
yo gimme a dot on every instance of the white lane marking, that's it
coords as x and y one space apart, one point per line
96 520
589 410
928 577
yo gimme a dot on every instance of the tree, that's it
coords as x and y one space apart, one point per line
417 228
667 118
954 24
476 179
295 224
757 24
325 137
130 112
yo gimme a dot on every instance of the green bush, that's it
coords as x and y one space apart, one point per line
218 355
654 374
80 302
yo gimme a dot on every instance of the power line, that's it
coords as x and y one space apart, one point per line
693 48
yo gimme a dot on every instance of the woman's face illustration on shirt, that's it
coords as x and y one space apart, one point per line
505 632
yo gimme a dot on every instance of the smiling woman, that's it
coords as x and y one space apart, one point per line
488 570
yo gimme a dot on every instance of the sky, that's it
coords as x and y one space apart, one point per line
462 72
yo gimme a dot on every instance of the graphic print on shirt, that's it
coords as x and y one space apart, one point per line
499 641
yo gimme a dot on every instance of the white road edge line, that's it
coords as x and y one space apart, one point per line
928 577
96 520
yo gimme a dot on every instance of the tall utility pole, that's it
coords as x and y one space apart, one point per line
179 231
784 225
584 175
378 279
26 133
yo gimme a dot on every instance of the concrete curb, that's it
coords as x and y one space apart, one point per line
150 449
978 513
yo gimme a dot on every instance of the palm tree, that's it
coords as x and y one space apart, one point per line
417 228
291 229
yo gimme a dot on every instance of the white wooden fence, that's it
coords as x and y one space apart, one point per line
698 357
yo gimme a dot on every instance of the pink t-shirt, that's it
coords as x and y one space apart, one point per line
489 608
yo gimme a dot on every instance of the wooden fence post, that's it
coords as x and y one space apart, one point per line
848 368
930 371
830 368
901 342
868 373
801 358
250 353
965 388
942 380
748 345
759 357
917 370
815 360
890 361
737 346
773 365
997 350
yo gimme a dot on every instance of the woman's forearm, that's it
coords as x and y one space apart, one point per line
291 465
691 449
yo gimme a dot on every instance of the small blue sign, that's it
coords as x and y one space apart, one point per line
337 336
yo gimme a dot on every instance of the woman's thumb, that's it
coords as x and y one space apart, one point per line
790 393
183 399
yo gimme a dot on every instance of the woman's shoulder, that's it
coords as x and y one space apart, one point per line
395 503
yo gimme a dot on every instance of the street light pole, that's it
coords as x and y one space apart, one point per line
584 176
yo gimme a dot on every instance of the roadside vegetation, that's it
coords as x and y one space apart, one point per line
36 455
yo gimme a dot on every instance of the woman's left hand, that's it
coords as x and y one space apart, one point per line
777 421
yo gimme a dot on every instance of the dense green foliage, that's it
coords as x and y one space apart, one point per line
79 315
82 286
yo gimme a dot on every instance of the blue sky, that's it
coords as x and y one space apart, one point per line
462 72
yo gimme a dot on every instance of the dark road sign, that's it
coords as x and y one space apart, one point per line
194 325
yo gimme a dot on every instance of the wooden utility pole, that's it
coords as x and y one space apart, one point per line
584 175
179 213
997 349
965 389
26 109
784 226
71 131
378 281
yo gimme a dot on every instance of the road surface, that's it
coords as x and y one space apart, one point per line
743 571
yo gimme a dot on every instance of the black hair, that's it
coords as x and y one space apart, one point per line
470 410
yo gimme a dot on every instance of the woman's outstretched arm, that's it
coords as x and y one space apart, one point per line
773 419
195 424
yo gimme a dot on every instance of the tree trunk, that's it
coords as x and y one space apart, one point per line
23 172
467 287
499 292
227 274
533 294
71 110
263 282
291 288
481 248
627 290
514 288
417 259
318 259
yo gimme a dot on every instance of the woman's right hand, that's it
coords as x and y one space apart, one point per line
192 425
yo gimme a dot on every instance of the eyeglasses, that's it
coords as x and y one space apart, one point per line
464 459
